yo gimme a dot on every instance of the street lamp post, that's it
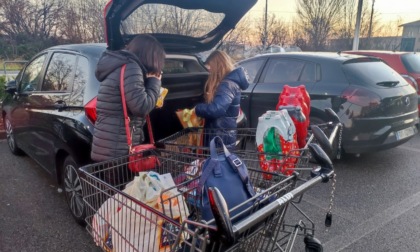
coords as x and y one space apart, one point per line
265 25
357 29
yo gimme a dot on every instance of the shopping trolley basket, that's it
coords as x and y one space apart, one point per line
189 141
115 219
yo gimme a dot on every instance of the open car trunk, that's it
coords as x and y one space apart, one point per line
182 26
185 91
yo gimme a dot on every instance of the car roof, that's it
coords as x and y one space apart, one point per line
377 52
315 56
87 48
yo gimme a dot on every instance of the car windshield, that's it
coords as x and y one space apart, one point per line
372 73
169 19
411 62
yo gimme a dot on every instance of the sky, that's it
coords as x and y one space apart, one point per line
389 10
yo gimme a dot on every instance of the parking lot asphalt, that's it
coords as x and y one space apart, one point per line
376 205
2 132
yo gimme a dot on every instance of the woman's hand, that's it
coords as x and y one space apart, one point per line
157 76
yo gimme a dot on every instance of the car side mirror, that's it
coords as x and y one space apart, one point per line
11 87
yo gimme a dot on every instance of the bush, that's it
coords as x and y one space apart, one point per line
2 85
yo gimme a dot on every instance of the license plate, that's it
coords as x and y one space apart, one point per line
401 134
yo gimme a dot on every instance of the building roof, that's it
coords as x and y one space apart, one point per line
415 23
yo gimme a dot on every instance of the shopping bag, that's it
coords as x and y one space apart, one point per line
124 225
189 119
297 102
229 174
277 142
159 192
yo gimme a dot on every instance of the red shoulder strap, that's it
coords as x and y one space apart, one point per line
126 118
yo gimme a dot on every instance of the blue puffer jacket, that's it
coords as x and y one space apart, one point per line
222 112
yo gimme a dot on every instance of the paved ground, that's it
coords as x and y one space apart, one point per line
2 133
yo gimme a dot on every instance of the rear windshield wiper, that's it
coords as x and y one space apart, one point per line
388 83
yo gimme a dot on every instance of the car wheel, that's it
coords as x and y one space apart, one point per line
72 187
317 121
10 136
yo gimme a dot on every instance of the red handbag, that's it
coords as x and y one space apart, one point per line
139 158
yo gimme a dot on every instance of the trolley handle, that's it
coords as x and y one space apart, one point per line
335 121
331 114
336 126
227 231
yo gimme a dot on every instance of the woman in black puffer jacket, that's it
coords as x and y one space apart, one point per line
222 96
144 57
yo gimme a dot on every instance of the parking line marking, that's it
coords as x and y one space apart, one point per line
355 233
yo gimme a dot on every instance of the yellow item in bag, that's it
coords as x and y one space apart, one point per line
162 95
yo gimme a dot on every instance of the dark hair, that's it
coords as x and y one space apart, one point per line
149 51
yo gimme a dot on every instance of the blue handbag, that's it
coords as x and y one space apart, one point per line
229 174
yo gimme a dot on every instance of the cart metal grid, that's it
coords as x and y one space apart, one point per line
255 232
193 141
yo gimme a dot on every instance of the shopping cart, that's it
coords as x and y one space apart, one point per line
196 140
141 227
190 141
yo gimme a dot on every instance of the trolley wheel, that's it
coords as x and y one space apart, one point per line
72 187
10 136
312 244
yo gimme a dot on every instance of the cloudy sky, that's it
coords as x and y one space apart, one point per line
389 10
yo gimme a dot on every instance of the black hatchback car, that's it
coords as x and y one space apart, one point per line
49 112
377 107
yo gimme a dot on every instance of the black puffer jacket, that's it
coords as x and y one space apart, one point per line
109 137
222 112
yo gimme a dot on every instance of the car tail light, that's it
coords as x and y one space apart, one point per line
411 81
90 110
363 97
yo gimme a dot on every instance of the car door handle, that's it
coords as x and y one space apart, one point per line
60 105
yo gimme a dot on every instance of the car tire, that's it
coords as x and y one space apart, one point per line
10 136
331 154
72 188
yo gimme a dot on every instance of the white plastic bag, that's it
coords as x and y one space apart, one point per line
133 227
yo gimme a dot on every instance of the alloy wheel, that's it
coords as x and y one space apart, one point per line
73 190
9 134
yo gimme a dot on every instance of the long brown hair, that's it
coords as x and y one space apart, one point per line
220 65
149 51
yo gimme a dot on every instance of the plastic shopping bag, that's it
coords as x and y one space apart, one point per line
277 142
132 226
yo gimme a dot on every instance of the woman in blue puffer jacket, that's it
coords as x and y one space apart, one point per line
222 97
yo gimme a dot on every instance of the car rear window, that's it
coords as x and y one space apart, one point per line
375 73
171 20
411 62
173 66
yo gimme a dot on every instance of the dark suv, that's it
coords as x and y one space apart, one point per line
377 107
49 112
405 63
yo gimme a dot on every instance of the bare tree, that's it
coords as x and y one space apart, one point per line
298 36
29 26
318 19
35 19
237 42
83 21
277 31
170 19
